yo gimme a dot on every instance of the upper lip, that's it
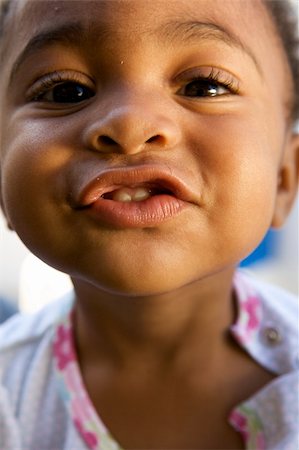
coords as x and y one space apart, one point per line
146 175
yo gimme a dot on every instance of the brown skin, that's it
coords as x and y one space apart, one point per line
153 305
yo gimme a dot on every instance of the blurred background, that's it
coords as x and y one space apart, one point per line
28 283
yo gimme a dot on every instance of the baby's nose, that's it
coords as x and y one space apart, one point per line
132 126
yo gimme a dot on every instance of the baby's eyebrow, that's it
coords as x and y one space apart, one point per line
68 34
193 31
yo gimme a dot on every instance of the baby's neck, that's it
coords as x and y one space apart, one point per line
167 360
159 328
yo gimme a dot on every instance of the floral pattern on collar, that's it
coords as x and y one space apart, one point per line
249 312
247 422
72 389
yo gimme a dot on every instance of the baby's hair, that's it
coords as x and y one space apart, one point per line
285 19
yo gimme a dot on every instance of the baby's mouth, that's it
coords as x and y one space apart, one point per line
134 197
131 185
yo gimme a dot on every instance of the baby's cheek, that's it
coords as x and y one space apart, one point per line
243 194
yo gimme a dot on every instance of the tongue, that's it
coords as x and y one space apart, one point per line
126 194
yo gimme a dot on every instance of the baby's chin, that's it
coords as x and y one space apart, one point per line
158 283
132 288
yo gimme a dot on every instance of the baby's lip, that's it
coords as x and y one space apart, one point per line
154 177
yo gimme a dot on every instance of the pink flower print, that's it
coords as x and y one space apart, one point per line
240 422
260 440
247 422
81 407
248 321
63 348
89 437
72 378
252 306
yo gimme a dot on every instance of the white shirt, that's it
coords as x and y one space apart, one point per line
35 411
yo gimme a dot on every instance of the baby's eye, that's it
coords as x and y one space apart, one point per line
206 82
66 92
204 88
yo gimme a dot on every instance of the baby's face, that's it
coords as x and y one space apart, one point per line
183 102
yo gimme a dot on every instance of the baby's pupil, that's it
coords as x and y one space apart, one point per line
70 93
201 88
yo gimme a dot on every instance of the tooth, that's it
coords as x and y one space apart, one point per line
122 195
131 194
141 194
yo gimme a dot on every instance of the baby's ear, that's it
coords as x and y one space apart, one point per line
288 178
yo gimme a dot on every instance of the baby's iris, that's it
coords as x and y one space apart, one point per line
68 92
204 88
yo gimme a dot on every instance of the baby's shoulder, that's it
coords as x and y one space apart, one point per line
26 337
28 393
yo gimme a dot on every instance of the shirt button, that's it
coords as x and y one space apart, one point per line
273 336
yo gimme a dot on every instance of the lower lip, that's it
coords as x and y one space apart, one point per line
146 213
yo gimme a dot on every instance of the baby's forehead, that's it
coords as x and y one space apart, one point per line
230 12
123 18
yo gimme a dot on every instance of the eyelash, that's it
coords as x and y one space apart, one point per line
217 77
52 80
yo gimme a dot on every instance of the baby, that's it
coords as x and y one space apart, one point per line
146 148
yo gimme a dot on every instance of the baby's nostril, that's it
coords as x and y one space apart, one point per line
152 139
106 140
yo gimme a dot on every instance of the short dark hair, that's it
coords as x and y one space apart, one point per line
285 19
